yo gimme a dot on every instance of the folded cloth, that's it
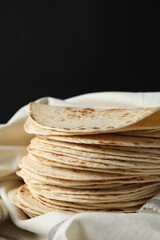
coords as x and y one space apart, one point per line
3 211
86 226
110 226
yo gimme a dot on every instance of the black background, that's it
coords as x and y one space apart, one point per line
66 48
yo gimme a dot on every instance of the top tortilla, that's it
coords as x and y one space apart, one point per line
90 120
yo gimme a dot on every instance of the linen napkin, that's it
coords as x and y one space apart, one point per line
86 226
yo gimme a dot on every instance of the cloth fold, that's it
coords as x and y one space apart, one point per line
86 226
110 226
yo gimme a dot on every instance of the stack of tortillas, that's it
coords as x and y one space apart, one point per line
84 159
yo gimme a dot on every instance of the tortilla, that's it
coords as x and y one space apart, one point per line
89 120
35 178
68 174
109 140
91 199
110 163
127 189
13 195
85 207
96 151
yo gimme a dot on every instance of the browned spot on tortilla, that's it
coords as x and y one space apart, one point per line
79 112
57 154
139 178
126 114
148 141
96 128
136 143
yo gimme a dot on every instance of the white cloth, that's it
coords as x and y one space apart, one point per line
86 226
109 226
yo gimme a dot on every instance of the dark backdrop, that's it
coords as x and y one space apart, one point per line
66 48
